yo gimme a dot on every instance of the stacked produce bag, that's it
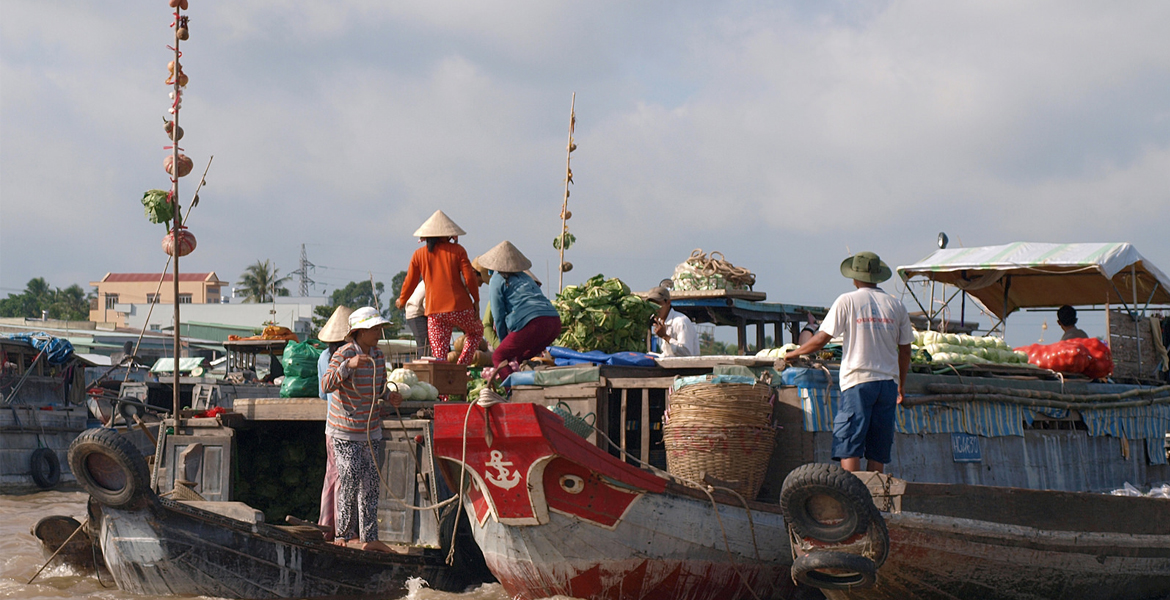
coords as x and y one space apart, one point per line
602 314
951 348
698 272
1088 356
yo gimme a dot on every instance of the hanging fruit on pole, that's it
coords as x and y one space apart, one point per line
185 244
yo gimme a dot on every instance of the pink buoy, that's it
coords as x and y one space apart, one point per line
186 243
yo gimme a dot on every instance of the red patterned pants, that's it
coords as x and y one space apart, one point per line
439 327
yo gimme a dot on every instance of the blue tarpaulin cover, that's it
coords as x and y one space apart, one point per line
58 351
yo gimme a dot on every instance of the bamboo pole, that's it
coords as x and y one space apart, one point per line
178 222
565 202
958 388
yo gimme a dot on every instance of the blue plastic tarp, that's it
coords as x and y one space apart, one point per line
57 351
566 356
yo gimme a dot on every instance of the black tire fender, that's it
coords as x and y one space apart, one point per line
110 468
808 489
834 570
45 468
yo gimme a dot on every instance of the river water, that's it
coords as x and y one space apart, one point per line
20 557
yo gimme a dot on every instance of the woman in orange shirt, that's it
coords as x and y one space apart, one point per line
452 287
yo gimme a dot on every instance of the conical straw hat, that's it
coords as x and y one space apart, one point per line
505 258
337 326
439 225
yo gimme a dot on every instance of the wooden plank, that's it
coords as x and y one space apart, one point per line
751 295
281 409
1043 509
645 428
625 409
641 382
576 390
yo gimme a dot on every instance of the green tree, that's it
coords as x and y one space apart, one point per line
261 280
70 304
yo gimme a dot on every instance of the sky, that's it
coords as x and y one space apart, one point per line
786 135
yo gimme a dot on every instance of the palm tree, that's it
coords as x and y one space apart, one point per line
260 282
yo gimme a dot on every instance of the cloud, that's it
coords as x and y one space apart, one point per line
783 135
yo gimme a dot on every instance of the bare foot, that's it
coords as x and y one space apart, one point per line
376 546
339 542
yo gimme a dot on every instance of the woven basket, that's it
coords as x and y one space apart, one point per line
722 430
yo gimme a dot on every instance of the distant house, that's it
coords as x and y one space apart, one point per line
117 290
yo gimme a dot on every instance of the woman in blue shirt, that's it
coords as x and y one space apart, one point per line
524 319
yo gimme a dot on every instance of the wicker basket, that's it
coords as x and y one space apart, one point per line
722 430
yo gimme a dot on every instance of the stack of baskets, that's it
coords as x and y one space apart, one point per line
723 430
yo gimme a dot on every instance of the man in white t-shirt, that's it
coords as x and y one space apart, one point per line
876 337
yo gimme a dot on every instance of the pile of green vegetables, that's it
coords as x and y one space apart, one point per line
602 314
950 348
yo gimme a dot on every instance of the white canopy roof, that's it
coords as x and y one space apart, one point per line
1027 275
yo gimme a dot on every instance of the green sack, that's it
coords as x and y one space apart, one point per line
300 369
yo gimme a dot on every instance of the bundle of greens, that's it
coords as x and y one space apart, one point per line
158 205
961 348
602 314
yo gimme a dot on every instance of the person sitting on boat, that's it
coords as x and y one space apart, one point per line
452 291
674 329
356 382
1066 317
333 333
525 321
876 333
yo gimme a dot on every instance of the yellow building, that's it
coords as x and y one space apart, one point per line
140 288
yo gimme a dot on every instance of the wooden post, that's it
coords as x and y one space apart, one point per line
565 202
645 447
624 411
178 218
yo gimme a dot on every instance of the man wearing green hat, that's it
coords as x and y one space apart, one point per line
876 336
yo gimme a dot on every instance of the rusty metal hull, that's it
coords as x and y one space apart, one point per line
167 548
944 557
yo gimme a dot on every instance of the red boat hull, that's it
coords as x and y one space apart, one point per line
556 515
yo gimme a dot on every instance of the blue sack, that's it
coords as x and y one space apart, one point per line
803 377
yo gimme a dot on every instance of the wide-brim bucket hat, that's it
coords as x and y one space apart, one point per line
337 326
439 225
365 317
505 258
867 267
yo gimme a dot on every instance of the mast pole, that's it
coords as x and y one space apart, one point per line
565 202
175 105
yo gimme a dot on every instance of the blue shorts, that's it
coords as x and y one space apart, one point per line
864 425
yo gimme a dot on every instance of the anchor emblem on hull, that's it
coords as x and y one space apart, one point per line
501 479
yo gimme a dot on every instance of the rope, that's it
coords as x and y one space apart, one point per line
719 266
486 401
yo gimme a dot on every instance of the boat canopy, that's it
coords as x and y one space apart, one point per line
1029 275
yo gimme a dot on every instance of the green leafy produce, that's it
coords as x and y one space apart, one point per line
602 314
159 209
570 239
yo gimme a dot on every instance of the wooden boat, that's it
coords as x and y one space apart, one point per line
554 514
971 541
158 546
